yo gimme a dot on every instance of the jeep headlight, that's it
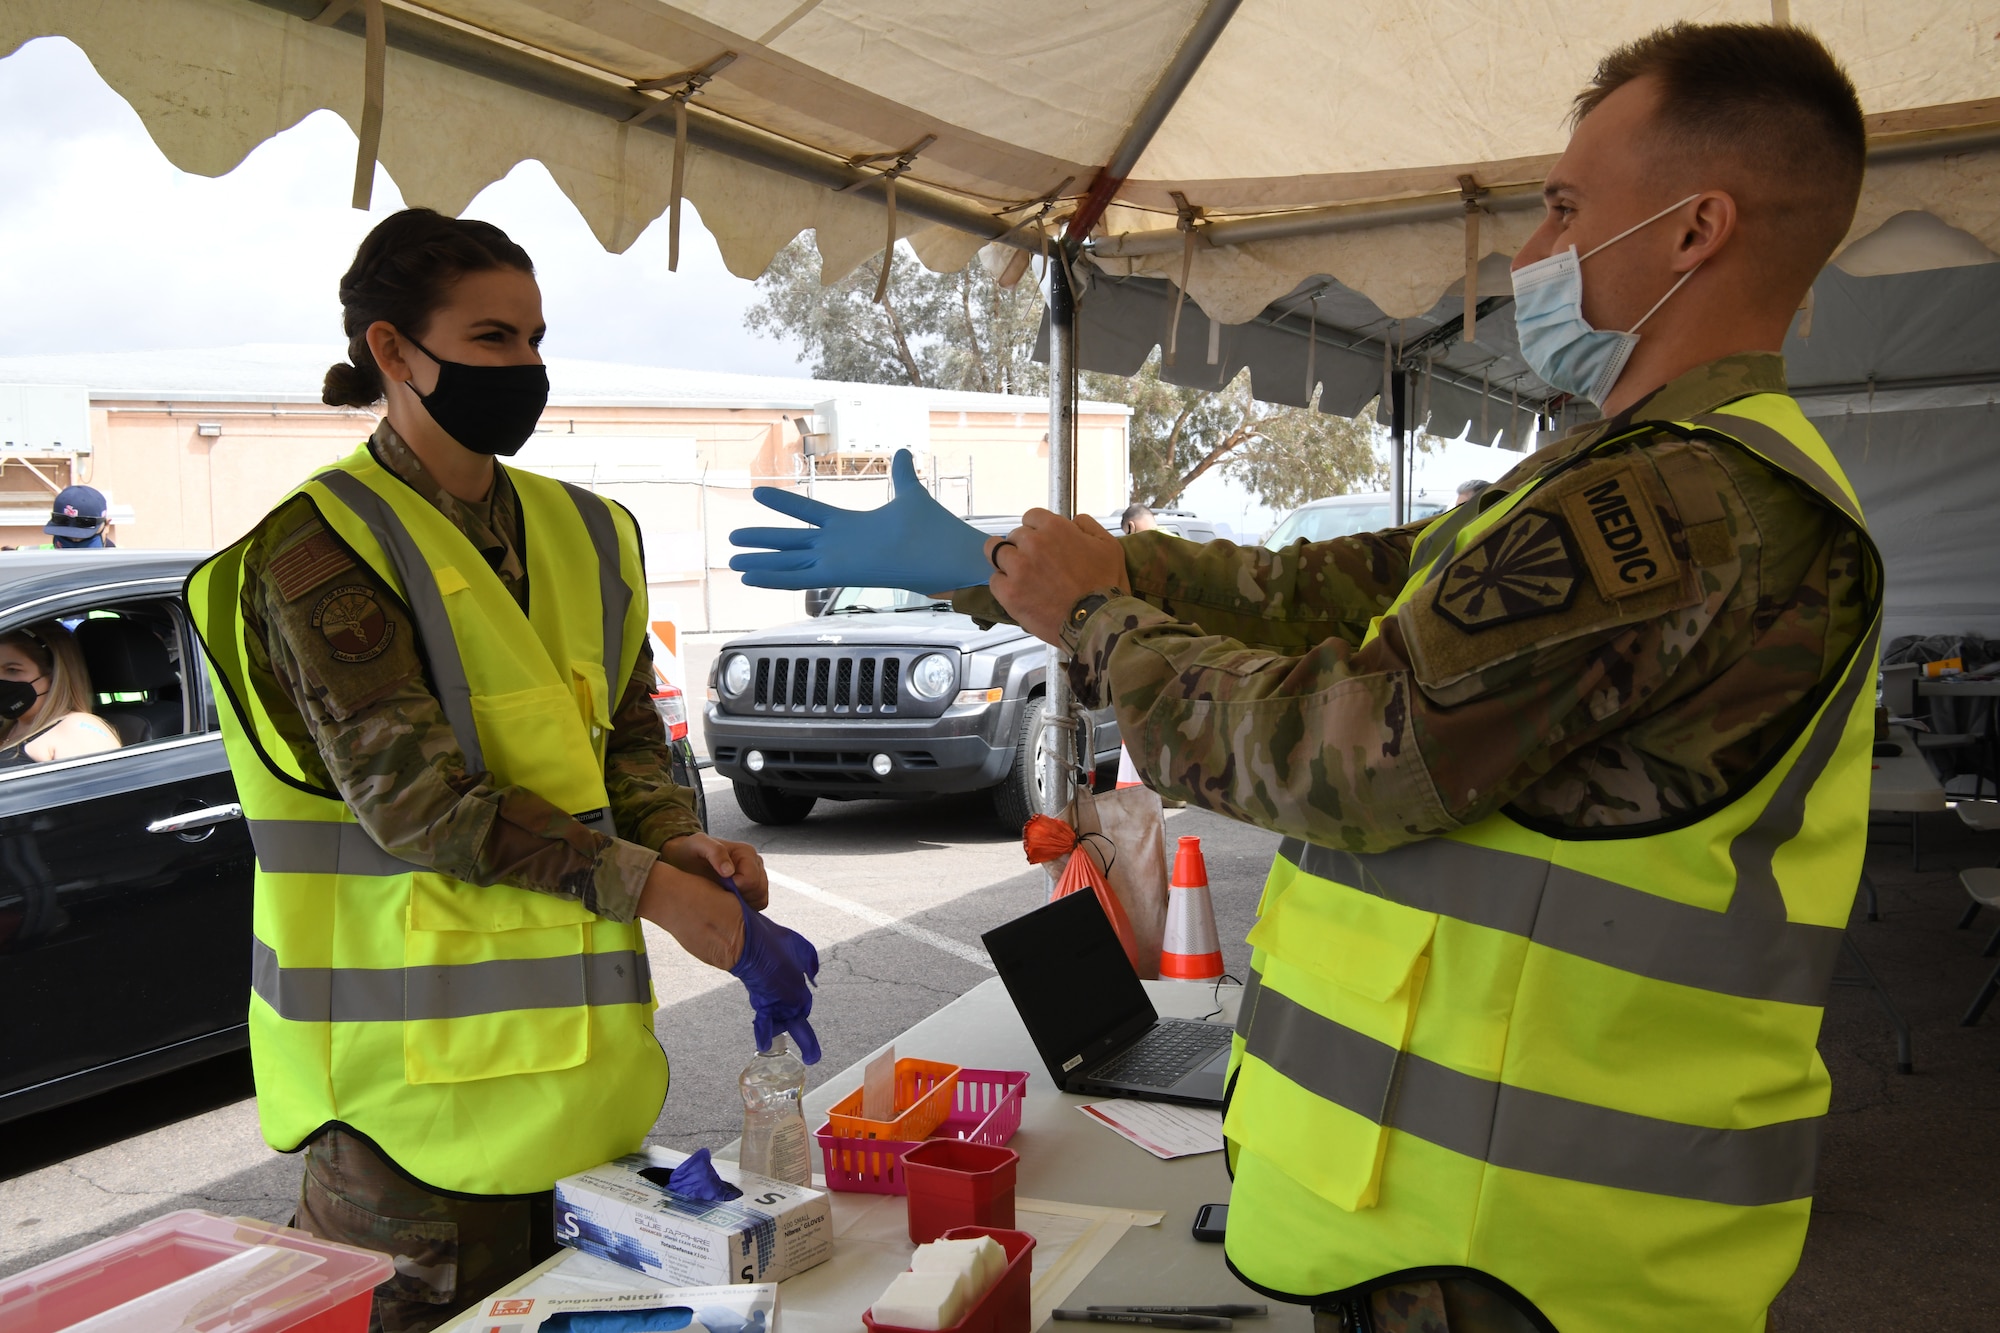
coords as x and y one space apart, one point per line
736 674
932 675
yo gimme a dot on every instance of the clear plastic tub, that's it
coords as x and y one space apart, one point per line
194 1270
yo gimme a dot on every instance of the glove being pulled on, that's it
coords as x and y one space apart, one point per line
912 542
696 1178
778 966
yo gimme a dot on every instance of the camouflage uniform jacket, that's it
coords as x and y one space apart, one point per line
373 731
1525 678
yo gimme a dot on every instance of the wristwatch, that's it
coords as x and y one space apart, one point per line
1086 606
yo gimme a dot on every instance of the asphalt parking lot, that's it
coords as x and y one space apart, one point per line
895 896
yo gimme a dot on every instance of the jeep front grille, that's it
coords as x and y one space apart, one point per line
859 682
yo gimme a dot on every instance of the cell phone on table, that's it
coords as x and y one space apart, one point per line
1209 1220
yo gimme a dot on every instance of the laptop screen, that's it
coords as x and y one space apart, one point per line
1071 982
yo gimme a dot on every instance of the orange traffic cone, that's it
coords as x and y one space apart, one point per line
1190 951
1128 772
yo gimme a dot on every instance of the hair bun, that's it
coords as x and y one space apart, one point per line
349 385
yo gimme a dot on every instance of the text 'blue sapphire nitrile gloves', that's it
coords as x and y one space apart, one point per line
778 966
913 542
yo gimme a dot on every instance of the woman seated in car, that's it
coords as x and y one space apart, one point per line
45 699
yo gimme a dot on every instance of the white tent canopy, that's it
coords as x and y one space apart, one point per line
1307 140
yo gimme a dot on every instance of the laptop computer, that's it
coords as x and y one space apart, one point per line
1089 1015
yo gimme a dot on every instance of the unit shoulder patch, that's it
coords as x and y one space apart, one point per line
1623 541
352 623
312 558
1524 568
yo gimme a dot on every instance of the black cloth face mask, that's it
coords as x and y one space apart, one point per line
488 409
16 698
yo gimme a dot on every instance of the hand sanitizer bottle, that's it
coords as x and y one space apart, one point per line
775 1144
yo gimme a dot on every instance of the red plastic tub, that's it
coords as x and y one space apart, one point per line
1006 1306
986 1109
234 1274
958 1184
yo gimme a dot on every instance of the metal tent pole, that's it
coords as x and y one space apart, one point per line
1399 430
1058 726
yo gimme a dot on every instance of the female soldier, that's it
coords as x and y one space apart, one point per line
45 690
443 737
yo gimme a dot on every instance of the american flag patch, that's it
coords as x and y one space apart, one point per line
305 565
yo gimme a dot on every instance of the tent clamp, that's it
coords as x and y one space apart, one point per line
1472 192
1042 206
374 58
1190 225
899 163
679 88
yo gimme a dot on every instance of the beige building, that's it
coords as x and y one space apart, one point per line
192 447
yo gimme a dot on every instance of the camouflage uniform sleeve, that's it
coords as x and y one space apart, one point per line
649 806
1573 615
1289 599
341 646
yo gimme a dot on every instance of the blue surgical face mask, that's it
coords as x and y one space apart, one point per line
1557 342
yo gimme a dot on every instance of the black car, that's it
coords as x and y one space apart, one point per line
884 694
124 876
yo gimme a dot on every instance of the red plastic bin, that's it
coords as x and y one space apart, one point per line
327 1292
958 1184
986 1109
1006 1306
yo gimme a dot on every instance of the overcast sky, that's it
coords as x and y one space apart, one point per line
109 248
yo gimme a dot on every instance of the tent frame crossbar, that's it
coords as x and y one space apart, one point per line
617 100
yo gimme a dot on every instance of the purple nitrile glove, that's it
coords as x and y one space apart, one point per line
696 1178
777 967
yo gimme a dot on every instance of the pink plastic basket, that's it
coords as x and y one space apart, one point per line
986 1109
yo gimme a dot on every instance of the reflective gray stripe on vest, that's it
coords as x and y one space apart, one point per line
1775 448
616 595
1523 1130
1750 950
402 994
1757 957
420 589
318 847
315 847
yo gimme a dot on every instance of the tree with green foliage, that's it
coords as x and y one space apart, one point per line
965 331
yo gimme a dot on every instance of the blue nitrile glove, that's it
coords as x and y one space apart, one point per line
696 1178
912 542
722 1319
660 1319
777 967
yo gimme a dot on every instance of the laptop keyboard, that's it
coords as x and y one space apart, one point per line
1159 1058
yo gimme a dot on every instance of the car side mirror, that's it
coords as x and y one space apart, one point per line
817 599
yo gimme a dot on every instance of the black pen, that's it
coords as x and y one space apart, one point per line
1150 1320
1221 1311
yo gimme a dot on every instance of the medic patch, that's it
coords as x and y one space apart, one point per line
352 623
304 565
1622 539
1524 568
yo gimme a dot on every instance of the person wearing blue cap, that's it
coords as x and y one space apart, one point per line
76 520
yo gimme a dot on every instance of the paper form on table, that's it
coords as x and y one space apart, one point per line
1162 1129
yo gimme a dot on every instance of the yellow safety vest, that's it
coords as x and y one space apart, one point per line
1580 1062
489 1039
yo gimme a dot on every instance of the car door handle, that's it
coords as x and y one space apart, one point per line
194 819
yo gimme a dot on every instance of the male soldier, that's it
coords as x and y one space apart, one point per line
77 518
1137 518
1468 489
1573 781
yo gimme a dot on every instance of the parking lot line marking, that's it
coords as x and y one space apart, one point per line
875 916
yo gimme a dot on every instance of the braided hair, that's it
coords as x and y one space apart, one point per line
401 274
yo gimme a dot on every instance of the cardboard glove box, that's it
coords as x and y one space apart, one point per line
775 1231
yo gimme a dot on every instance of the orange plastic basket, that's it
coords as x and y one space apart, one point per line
923 1100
